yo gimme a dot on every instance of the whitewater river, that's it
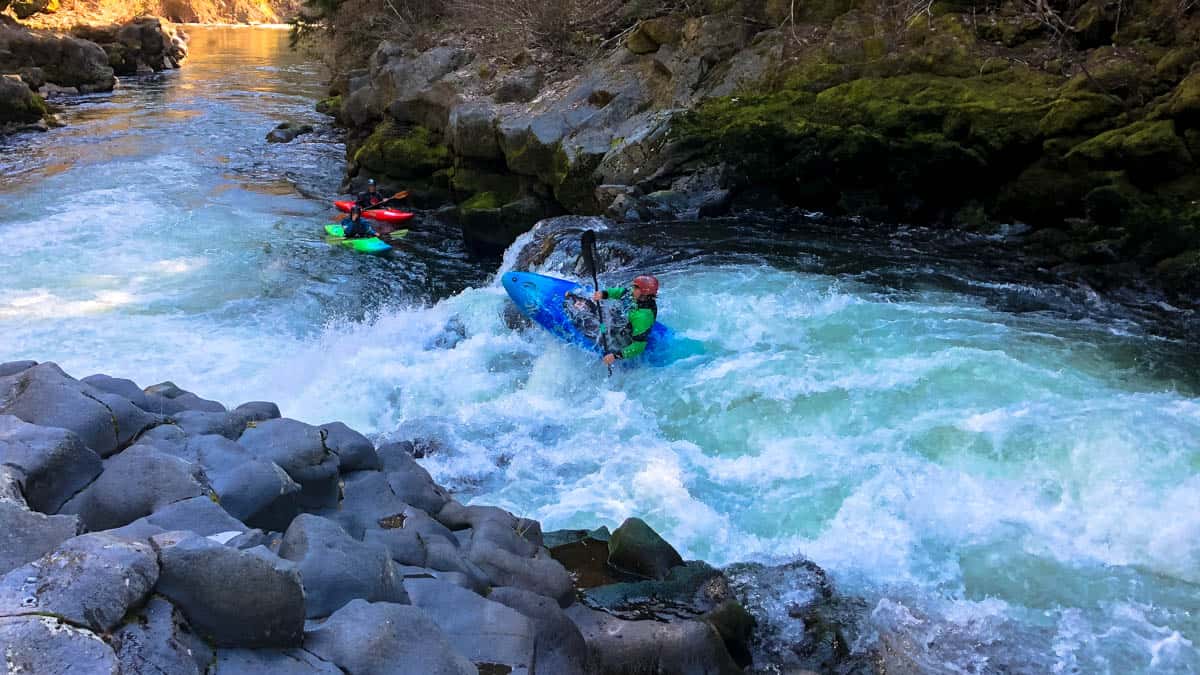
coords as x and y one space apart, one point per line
1009 477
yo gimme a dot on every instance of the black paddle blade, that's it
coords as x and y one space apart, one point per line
588 244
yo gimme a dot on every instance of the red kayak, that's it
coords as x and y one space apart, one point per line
382 215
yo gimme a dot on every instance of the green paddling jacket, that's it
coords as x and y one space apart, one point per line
641 317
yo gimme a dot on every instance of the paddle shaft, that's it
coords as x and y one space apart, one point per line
589 257
399 195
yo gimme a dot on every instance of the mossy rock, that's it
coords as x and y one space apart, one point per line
1176 63
1045 193
402 153
24 9
814 74
574 182
944 46
331 106
1184 104
912 145
1009 29
1080 113
464 180
1191 138
18 103
639 42
1181 271
1115 73
1095 22
1150 150
663 30
483 201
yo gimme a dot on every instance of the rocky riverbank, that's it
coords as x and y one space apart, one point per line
154 530
36 64
1080 122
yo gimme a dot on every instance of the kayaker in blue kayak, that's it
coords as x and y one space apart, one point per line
641 313
369 198
354 227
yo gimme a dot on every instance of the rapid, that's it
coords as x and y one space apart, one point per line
1007 474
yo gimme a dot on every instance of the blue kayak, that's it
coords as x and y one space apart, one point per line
544 300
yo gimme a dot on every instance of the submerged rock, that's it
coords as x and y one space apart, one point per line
286 132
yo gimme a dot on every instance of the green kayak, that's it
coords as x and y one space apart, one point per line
364 244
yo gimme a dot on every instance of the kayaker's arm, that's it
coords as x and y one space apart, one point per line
613 293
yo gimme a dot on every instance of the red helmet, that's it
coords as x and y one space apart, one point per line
646 284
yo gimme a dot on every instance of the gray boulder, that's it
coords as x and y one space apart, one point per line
65 61
46 396
19 105
13 367
286 132
272 662
91 580
157 639
540 574
354 451
26 535
121 387
406 87
411 482
520 87
47 646
300 450
199 514
237 598
385 639
682 646
204 423
258 411
472 130
442 556
134 484
128 420
368 503
257 492
637 549
482 630
560 646
405 546
54 462
335 568
181 398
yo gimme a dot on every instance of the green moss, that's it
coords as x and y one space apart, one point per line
330 106
1150 149
1081 113
1184 104
22 108
1176 63
1114 73
944 46
469 181
928 140
402 154
483 201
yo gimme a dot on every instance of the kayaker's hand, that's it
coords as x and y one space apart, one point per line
609 359
598 296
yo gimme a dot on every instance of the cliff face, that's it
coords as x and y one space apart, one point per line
1083 122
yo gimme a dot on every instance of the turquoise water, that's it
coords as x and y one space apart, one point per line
1010 491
